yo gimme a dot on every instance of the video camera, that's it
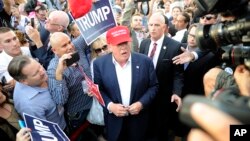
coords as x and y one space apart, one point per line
228 100
234 39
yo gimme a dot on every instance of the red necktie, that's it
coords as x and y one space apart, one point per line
153 51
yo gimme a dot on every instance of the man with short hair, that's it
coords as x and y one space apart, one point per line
161 49
41 14
134 20
208 19
137 32
57 21
65 82
11 48
194 71
31 94
182 23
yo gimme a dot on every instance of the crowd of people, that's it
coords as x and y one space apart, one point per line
144 67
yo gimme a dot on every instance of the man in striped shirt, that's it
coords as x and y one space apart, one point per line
65 82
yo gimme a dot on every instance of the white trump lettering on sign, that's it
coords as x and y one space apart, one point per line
44 131
94 17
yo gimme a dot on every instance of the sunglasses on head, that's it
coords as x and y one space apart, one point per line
207 17
99 50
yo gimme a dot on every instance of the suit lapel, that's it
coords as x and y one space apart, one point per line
163 51
147 47
135 66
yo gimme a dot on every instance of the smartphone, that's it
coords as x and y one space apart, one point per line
3 81
74 58
32 22
21 123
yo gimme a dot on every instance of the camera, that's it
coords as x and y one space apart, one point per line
229 36
235 55
234 39
228 100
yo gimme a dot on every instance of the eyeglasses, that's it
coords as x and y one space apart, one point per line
99 50
207 17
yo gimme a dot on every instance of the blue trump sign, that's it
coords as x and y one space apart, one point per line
97 21
42 130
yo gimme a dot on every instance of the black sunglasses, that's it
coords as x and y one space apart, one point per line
207 17
99 50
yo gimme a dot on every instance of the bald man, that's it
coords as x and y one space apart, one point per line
57 21
65 82
161 49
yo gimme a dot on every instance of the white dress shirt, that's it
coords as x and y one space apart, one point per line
124 77
179 35
5 60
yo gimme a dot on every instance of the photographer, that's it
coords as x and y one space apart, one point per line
217 78
229 106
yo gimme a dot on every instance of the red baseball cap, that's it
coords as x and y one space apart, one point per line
117 35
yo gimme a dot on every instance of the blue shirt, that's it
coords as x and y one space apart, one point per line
69 91
37 102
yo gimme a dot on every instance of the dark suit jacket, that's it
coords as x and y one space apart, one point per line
144 88
193 82
170 77
193 74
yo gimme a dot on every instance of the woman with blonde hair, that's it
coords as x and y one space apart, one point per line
98 48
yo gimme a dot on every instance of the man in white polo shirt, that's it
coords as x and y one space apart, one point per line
11 48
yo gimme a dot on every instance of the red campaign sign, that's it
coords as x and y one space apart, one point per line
94 89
